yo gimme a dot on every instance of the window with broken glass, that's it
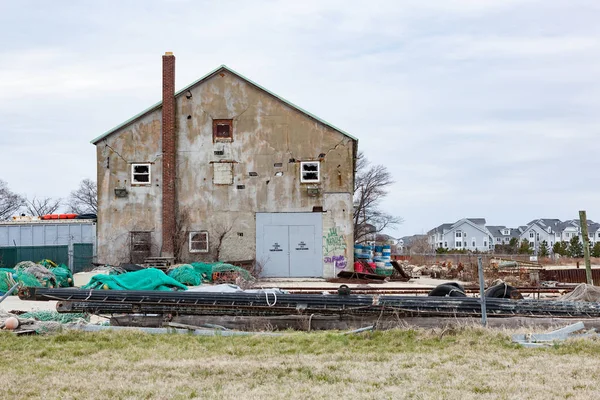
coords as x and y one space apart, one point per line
140 174
310 172
199 242
222 130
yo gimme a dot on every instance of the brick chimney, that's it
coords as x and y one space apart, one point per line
168 155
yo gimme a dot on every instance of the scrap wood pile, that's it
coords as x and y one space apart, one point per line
44 273
266 303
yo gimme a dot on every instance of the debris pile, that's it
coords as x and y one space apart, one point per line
554 337
27 324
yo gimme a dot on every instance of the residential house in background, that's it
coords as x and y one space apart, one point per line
466 234
471 234
501 235
540 230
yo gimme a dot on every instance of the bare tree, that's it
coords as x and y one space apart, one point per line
10 202
371 185
180 236
419 245
220 232
84 200
42 206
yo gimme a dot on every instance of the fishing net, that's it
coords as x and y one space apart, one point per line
146 279
186 274
28 280
108 270
206 270
63 276
582 292
21 266
43 274
48 263
9 279
55 316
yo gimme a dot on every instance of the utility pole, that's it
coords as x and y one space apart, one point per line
586 247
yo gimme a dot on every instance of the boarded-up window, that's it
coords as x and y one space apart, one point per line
222 130
140 246
223 173
140 174
310 172
199 242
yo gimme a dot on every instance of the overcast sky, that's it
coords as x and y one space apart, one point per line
478 108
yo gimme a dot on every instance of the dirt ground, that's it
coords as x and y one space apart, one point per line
465 363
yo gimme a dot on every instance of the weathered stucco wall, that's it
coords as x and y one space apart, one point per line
140 210
269 140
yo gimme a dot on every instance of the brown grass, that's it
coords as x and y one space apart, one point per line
467 363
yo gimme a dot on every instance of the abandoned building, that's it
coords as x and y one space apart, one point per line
225 170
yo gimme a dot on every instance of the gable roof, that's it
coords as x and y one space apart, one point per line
477 221
440 228
205 78
469 221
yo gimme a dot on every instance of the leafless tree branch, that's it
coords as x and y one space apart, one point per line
371 185
84 200
42 206
10 203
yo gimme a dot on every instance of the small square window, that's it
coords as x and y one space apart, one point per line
310 172
140 174
199 242
222 130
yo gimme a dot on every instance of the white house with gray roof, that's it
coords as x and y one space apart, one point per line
465 234
472 234
501 235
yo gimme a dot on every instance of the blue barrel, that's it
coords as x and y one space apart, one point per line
387 249
358 248
378 249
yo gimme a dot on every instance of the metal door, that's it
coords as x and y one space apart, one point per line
289 244
276 250
302 252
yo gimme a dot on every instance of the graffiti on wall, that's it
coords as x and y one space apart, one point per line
335 249
338 261
334 241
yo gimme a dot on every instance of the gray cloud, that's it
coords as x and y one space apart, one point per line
479 108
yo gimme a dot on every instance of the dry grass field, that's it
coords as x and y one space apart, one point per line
468 363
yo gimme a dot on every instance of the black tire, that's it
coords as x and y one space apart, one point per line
446 290
501 291
456 284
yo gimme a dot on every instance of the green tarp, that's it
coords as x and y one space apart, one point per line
146 279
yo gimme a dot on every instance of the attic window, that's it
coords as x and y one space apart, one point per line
310 172
140 174
222 130
199 242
